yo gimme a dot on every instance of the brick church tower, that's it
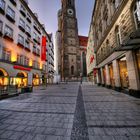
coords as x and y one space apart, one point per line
70 50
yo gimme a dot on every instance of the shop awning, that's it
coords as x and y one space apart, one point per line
132 43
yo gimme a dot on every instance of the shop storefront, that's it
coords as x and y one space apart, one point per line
36 80
123 73
3 78
20 80
138 60
111 74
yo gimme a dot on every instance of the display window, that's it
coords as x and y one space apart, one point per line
20 80
123 73
112 81
4 80
138 60
36 80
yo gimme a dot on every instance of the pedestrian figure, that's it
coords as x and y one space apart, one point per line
81 80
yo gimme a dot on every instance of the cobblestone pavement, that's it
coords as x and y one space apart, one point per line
65 112
111 115
41 115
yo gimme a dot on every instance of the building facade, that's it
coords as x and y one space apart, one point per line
22 61
116 34
91 58
83 50
50 57
70 52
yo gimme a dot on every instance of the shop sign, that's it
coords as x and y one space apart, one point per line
43 49
21 68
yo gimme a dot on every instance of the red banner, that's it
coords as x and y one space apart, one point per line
43 49
91 59
21 68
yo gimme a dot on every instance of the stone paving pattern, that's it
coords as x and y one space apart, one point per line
111 115
41 115
48 114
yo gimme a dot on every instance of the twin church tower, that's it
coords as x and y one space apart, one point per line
69 57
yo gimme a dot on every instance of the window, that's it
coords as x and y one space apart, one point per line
21 23
21 39
1 25
2 4
118 36
35 64
137 13
72 70
28 16
35 35
20 59
28 29
38 51
26 61
8 31
6 55
27 45
11 12
22 8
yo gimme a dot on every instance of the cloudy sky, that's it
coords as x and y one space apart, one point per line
47 12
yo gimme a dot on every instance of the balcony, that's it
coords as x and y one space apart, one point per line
27 48
10 18
35 40
29 19
21 28
28 34
20 44
37 29
23 12
2 11
8 37
13 2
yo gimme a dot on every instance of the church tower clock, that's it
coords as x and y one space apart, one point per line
70 52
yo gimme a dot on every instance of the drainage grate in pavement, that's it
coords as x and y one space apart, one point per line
80 129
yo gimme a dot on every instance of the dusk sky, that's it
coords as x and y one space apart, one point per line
47 12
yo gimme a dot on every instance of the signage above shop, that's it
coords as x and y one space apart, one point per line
21 68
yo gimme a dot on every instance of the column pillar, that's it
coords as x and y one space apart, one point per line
116 75
134 83
102 77
107 76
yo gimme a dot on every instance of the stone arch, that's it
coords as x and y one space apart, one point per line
3 72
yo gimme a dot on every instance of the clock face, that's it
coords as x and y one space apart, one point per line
70 12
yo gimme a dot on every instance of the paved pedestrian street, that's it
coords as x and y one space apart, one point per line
70 112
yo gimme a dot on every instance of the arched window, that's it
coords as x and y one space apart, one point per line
69 2
72 70
118 36
136 12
